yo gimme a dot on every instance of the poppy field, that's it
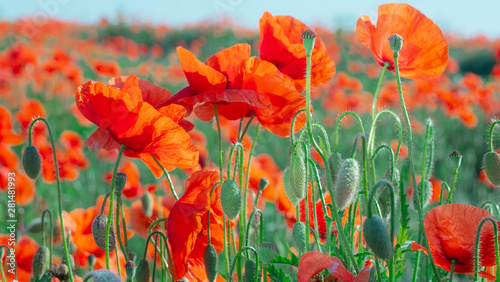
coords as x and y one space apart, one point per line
212 152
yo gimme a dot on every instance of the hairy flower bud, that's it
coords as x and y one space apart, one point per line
147 204
142 272
99 232
210 259
298 176
104 275
41 262
267 252
299 236
335 163
120 181
230 198
377 237
31 161
346 186
287 183
491 162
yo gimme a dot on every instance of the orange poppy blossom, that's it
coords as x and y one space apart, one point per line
8 158
30 110
106 68
436 190
125 117
187 224
281 44
451 231
17 57
25 249
425 50
314 262
241 86
25 186
7 136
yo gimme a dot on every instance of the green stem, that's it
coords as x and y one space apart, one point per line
374 103
124 223
230 276
103 205
495 206
478 236
337 125
240 138
454 180
292 127
59 190
444 185
412 167
118 230
491 133
51 233
371 137
261 226
167 175
451 270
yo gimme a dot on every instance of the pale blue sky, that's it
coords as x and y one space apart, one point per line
461 16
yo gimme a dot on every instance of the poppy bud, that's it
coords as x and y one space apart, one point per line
130 268
230 198
35 226
263 182
297 174
335 163
40 262
299 236
132 256
147 204
427 193
99 232
491 161
71 261
267 252
384 199
210 258
142 271
31 161
377 237
290 193
396 42
250 266
120 181
308 38
103 275
347 183
91 260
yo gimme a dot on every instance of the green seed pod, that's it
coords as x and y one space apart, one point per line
290 193
263 182
308 38
427 193
384 199
31 161
210 258
99 232
120 181
250 266
395 42
222 262
335 164
41 262
62 272
298 176
91 260
35 226
267 252
299 236
377 237
147 204
230 198
142 273
130 268
346 186
104 275
491 162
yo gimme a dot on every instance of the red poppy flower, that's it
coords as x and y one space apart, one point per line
187 224
17 57
6 134
281 44
425 50
313 262
8 158
451 232
25 186
24 250
106 68
30 110
241 86
125 118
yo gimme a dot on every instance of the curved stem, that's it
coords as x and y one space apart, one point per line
240 138
412 167
261 226
230 276
374 103
371 137
444 185
59 190
165 240
337 124
231 152
491 133
51 233
111 198
493 204
167 175
124 223
103 205
292 137
325 136
478 236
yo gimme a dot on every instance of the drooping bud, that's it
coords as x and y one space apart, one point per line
230 198
31 161
298 176
147 204
425 198
384 199
35 226
91 260
308 38
377 237
287 183
99 232
491 162
396 42
267 252
263 182
346 186
250 266
299 236
41 262
120 181
142 272
104 275
210 259
335 163
130 268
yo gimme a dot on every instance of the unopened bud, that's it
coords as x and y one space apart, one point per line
491 162
346 186
31 161
210 259
377 237
230 198
299 236
103 275
290 193
298 176
263 183
267 252
41 262
120 181
142 273
335 163
99 233
147 204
